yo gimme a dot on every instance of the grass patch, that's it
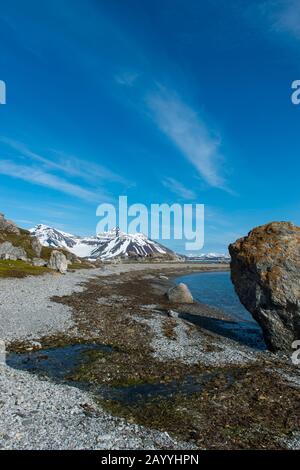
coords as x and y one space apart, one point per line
23 240
82 265
9 268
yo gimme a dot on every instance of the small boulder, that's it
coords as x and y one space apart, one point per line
39 262
172 314
58 262
180 294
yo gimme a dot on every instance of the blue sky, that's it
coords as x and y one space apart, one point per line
162 101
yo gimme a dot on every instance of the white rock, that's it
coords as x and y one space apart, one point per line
58 262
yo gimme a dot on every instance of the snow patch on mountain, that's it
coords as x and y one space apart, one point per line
104 245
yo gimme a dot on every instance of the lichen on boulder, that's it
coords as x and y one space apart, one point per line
265 271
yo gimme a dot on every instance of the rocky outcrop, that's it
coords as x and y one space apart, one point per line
10 252
180 294
58 262
8 225
265 270
36 246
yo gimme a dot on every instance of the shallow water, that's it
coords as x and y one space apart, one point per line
189 385
60 363
215 289
54 363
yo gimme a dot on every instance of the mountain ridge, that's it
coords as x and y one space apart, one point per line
106 245
114 243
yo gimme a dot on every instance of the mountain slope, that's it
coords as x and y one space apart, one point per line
51 237
106 245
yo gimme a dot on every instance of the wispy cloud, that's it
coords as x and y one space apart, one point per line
275 16
178 188
126 78
67 164
42 178
189 133
285 17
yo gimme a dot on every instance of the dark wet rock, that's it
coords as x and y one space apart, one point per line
10 252
180 294
8 225
58 262
265 270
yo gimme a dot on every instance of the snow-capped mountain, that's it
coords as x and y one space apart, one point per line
117 243
214 257
49 236
105 245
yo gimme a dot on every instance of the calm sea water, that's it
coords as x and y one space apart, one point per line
216 290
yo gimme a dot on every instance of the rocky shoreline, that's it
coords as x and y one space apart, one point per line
153 342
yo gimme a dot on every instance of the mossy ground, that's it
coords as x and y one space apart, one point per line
249 414
9 268
20 269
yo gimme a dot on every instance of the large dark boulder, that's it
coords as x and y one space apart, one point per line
265 271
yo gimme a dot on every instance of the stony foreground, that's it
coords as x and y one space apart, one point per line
37 414
154 342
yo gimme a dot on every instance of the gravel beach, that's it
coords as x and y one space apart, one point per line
37 413
26 310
